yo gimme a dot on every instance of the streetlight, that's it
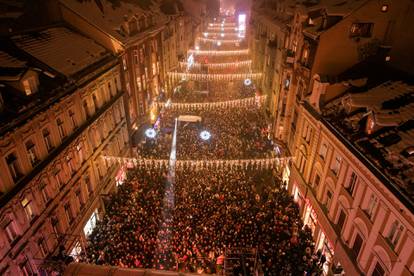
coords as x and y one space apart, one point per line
205 135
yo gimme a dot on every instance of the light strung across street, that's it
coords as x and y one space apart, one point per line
219 52
246 102
221 34
236 64
178 76
221 29
195 165
215 40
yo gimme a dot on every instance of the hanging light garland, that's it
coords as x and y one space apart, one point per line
177 76
221 29
195 165
225 24
219 53
224 41
236 64
246 102
221 34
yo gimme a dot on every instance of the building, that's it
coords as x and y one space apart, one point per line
340 85
62 110
148 39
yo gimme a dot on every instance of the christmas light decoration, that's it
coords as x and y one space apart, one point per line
219 53
246 102
218 34
150 133
213 77
236 64
195 165
224 41
205 135
224 28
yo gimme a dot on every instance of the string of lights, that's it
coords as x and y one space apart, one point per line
214 40
221 29
252 101
222 34
225 24
236 64
213 77
259 164
219 53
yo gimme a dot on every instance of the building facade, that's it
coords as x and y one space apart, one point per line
62 111
361 215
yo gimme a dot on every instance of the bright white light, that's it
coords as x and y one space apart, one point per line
222 35
247 82
150 133
211 24
219 43
197 48
205 34
205 135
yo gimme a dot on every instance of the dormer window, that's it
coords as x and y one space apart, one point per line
30 85
361 29
311 22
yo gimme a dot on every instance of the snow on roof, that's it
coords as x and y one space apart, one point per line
111 19
374 98
338 7
8 61
61 49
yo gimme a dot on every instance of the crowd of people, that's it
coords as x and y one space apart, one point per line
237 219
213 91
212 212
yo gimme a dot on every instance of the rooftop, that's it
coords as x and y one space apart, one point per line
58 57
379 122
113 19
61 49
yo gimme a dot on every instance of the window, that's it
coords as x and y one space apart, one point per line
336 165
26 204
44 193
328 199
124 63
42 247
47 139
378 270
136 57
317 180
58 179
26 268
323 151
302 161
341 220
61 128
13 165
356 248
88 184
79 198
352 183
95 101
73 119
10 231
31 152
307 133
30 86
80 152
85 108
69 161
372 204
111 92
361 29
55 225
68 212
395 232
139 83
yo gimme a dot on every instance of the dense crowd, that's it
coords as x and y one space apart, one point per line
193 218
213 91
236 133
212 212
